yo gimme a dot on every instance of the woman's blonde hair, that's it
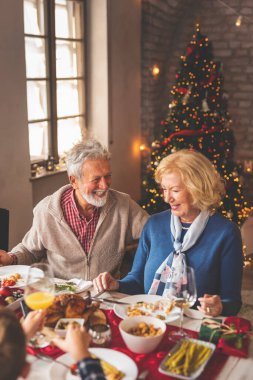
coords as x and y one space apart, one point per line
202 181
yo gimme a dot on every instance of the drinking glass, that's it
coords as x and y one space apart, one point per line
39 294
39 289
183 294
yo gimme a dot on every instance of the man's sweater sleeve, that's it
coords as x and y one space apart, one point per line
31 249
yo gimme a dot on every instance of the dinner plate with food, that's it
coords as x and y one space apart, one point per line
74 285
13 276
149 305
115 364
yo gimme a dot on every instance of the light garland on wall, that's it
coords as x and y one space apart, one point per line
238 21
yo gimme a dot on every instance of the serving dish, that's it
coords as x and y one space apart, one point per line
187 362
142 343
62 324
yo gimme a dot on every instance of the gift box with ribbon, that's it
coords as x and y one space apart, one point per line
231 335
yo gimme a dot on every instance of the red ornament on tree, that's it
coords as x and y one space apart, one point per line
189 50
182 90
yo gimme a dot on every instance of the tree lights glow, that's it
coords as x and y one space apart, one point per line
198 119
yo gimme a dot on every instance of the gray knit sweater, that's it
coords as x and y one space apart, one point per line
50 237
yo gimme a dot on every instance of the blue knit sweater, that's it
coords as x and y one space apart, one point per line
216 257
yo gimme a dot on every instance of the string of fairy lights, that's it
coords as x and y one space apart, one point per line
239 17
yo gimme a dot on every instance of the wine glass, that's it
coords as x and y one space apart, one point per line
182 293
39 291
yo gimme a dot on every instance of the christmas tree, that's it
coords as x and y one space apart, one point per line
198 119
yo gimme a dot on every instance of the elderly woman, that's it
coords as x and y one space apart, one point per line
193 229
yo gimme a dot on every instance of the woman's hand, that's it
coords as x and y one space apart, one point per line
104 281
210 305
33 323
76 342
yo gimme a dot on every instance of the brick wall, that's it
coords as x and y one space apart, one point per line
167 27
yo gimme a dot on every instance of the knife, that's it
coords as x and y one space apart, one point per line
104 300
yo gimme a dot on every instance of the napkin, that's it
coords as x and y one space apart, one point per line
52 351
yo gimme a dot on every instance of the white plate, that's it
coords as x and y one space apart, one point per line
195 374
12 269
194 314
80 285
121 310
116 358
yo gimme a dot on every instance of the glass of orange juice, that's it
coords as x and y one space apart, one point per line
39 289
39 293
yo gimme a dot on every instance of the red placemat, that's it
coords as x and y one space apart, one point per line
152 361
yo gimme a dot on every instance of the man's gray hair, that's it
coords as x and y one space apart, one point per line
83 151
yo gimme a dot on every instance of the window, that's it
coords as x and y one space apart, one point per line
54 51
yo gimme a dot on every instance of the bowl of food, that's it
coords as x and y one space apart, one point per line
62 324
142 334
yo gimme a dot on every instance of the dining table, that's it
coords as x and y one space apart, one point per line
233 368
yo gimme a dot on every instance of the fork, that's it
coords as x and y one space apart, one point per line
89 297
51 360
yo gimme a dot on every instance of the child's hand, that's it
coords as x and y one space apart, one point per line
76 342
33 322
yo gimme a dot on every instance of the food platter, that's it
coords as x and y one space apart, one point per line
123 363
144 303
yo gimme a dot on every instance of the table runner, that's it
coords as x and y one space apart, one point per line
146 361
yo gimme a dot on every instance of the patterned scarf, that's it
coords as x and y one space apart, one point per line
175 264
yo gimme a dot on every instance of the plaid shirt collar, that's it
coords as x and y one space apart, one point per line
95 210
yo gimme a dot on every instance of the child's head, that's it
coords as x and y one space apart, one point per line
12 346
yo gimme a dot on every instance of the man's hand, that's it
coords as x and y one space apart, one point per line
76 342
104 281
5 258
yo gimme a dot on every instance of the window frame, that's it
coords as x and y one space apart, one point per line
51 78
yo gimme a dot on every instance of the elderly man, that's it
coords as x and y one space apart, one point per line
83 228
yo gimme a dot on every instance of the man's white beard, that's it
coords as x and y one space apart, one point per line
97 202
